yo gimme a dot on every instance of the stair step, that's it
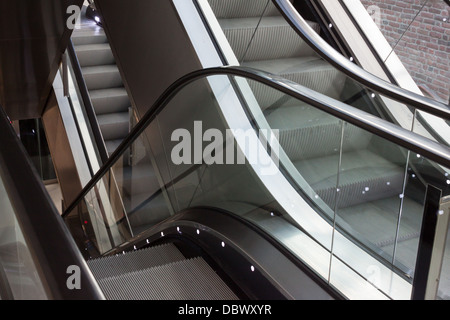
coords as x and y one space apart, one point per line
243 9
133 261
94 54
306 132
102 77
274 39
88 36
110 100
112 145
364 177
311 72
138 179
114 126
183 280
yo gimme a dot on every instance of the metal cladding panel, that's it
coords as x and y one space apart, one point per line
33 36
150 44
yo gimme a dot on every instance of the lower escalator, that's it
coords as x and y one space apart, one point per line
158 273
198 156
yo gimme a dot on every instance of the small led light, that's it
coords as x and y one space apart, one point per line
162 234
97 18
441 212
198 231
351 59
134 247
330 25
252 268
223 244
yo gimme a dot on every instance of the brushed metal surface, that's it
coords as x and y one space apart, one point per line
33 36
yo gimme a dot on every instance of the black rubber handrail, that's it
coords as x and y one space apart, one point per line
400 136
47 237
355 72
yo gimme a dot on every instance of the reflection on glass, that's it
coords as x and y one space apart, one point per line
33 138
16 262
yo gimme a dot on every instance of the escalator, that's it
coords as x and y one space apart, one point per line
357 175
354 177
280 208
329 203
142 274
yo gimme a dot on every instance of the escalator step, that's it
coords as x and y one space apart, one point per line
110 100
102 77
142 259
311 72
114 125
242 9
94 54
284 41
183 280
88 36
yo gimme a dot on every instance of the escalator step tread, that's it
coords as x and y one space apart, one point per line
241 9
102 77
364 176
172 281
311 72
249 45
135 260
114 125
110 100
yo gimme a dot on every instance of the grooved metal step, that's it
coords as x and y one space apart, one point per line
133 261
158 273
114 125
102 77
110 100
94 54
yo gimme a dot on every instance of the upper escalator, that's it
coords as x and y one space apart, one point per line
275 37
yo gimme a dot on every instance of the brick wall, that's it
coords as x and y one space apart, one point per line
424 47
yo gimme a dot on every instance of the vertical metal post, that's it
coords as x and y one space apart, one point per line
439 247
428 237
65 74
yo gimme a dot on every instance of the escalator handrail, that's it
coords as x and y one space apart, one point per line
47 237
375 125
355 72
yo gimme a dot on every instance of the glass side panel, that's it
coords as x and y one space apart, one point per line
16 260
443 290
